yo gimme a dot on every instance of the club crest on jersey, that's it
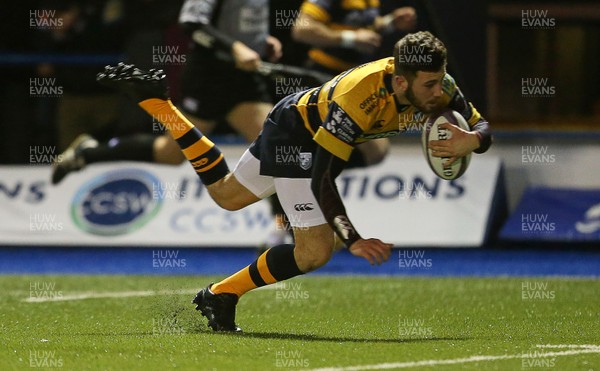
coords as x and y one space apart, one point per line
305 160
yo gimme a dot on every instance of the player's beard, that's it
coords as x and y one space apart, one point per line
410 95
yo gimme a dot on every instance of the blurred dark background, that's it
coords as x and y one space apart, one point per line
491 55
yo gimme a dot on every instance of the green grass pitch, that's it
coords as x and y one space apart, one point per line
335 322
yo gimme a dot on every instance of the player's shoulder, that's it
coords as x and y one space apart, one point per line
369 74
449 85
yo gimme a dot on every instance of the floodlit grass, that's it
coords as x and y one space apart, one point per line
308 322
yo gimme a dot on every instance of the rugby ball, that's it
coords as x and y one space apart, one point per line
433 131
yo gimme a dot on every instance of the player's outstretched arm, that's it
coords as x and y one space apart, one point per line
326 168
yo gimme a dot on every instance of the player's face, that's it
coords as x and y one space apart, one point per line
425 90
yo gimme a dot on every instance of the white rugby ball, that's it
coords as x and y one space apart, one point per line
433 131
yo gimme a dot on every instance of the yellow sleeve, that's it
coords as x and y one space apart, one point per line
334 145
316 11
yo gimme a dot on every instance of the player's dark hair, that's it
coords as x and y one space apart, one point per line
419 51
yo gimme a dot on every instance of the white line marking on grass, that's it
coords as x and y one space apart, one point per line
101 295
581 349
575 346
114 294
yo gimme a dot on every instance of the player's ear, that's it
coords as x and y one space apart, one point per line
402 82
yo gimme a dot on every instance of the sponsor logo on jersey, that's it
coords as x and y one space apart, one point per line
341 125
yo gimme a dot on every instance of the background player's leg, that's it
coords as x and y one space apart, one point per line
247 118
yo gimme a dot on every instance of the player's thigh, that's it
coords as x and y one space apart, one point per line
243 186
313 236
247 118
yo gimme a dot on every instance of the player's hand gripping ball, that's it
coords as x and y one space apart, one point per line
433 131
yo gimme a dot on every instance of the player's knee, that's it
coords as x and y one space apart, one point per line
319 260
309 259
227 204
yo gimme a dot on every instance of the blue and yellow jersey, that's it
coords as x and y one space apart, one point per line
360 105
341 15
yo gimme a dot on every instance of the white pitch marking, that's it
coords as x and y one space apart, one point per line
582 349
572 346
117 294
99 295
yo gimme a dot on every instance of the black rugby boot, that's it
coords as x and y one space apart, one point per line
138 84
219 309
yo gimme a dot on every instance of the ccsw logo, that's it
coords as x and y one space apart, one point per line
116 203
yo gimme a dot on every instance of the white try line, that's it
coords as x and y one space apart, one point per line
574 350
59 296
52 296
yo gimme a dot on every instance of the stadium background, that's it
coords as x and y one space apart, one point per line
545 138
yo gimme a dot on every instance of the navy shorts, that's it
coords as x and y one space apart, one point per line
285 147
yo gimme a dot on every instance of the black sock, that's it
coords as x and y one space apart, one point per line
282 263
132 148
